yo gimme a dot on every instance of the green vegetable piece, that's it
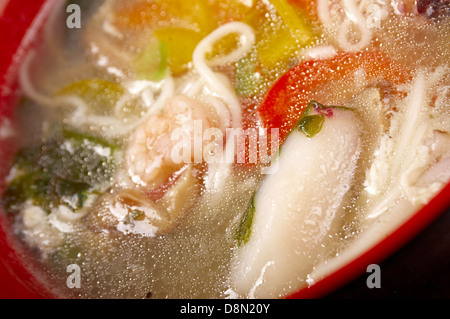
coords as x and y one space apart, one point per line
244 229
310 125
34 185
83 137
249 82
65 189
152 63
82 158
61 170
134 215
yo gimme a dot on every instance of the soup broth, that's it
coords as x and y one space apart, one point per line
225 149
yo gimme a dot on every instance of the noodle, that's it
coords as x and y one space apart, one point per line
192 87
358 19
218 172
50 34
221 110
353 17
109 125
404 151
247 39
30 92
319 52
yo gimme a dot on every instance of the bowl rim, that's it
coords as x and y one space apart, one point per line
24 35
381 249
17 24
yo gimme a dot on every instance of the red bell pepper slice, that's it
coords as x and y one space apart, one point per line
289 96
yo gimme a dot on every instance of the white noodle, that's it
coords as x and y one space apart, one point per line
51 29
319 52
411 135
111 126
42 99
351 11
167 91
323 12
193 87
115 126
345 44
353 18
247 39
221 109
79 115
218 172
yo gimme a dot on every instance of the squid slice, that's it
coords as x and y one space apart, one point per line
294 208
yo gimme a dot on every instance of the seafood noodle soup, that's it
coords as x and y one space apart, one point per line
224 149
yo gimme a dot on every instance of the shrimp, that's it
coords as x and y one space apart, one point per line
149 154
162 191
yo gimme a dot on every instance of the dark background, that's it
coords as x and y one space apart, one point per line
421 269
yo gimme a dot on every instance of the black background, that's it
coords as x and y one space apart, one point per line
421 269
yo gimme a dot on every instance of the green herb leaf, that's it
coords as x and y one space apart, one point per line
249 82
244 229
61 170
310 125
152 63
134 215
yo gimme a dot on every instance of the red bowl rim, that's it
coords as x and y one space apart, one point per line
17 21
22 18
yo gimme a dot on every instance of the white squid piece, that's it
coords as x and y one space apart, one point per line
294 208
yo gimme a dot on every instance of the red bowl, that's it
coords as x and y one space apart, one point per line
17 20
19 28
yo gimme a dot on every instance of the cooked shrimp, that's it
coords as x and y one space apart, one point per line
148 157
164 189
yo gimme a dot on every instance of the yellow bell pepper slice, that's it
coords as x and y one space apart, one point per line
280 31
180 43
294 22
